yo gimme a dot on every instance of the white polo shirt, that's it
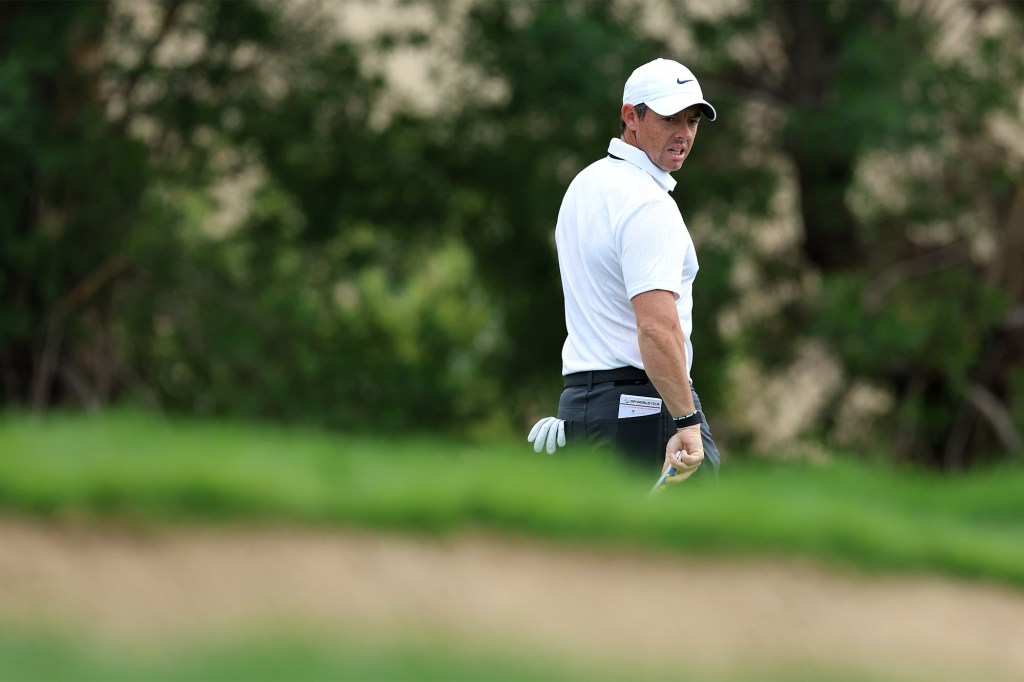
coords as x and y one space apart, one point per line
620 234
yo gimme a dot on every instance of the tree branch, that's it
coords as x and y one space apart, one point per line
997 416
912 268
48 363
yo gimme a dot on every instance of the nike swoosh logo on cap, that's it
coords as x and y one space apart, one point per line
681 82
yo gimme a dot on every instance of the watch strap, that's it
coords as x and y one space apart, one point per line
688 419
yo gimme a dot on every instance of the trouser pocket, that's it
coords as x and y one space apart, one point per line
641 439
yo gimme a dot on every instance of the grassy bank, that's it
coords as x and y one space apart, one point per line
139 468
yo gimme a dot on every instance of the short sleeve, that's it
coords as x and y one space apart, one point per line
653 243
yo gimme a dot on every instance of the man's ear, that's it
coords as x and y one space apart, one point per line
629 116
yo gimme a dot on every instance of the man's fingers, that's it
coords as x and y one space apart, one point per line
561 433
670 463
684 464
688 459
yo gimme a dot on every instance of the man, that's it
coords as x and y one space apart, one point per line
627 265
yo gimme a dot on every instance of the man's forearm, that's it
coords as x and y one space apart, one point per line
665 361
663 349
664 355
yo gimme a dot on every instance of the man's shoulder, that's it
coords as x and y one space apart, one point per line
607 174
597 169
628 193
594 179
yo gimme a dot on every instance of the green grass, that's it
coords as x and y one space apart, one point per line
138 468
264 658
270 657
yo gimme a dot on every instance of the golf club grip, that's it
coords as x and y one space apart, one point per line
671 471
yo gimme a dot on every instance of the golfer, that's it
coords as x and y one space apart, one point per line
628 265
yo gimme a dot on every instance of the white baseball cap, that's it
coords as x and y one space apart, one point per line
666 87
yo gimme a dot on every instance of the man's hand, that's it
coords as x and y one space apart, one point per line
684 453
550 432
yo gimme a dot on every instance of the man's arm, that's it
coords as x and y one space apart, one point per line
663 350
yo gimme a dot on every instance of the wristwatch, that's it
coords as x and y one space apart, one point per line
688 419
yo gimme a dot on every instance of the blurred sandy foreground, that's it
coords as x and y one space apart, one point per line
648 611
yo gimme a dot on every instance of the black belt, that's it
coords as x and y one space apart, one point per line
603 375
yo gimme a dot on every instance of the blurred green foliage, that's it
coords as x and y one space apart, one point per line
392 266
137 469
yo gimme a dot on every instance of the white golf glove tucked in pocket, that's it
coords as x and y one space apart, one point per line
549 432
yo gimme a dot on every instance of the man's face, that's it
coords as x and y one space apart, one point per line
667 140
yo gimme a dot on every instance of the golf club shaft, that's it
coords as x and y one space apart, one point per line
671 471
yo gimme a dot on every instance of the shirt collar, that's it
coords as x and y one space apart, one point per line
639 158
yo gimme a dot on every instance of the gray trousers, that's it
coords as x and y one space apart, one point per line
591 416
